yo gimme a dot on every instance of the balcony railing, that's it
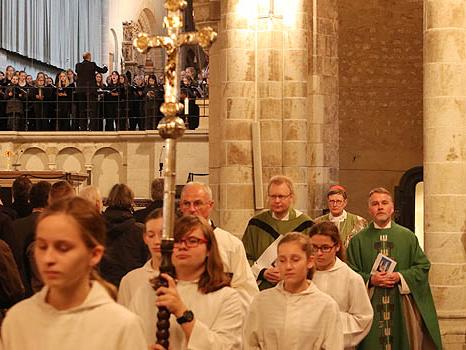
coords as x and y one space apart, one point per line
66 109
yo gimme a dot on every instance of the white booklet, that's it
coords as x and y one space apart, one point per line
383 263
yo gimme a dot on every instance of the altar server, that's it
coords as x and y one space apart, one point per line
205 312
134 279
339 281
295 314
75 309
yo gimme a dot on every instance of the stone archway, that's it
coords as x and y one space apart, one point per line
405 197
133 61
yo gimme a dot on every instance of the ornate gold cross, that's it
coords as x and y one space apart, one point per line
170 128
172 44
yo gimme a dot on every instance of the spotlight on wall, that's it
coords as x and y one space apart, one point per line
270 8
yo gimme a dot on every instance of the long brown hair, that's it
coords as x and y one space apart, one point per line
213 278
329 229
91 226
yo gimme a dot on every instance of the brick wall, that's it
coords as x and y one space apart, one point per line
380 94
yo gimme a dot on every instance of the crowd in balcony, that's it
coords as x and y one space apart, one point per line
118 102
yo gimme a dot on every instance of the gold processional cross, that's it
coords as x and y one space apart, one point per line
170 128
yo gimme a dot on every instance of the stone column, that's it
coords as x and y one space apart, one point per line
445 162
323 138
231 88
277 69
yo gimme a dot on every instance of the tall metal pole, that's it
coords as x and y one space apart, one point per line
171 127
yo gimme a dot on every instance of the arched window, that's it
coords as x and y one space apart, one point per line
409 202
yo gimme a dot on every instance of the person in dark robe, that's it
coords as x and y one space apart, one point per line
86 88
153 98
24 230
20 191
157 201
192 112
136 119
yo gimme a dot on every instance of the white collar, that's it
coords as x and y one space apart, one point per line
389 225
340 218
285 218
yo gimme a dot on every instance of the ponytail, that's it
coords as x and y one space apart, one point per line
110 288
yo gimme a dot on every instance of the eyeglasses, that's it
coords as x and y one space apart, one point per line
190 242
336 202
196 204
323 249
278 196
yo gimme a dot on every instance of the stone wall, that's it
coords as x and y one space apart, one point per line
125 157
380 94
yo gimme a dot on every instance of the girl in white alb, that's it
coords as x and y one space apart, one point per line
74 310
344 285
206 312
136 278
295 314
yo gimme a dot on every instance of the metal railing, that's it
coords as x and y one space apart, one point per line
96 109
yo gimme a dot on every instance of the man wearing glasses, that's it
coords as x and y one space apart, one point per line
348 224
266 229
196 199
404 311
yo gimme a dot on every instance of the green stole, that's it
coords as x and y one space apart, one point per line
263 229
412 263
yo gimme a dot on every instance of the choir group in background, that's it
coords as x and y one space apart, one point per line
81 100
79 274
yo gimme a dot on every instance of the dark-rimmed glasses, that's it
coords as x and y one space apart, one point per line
323 248
190 242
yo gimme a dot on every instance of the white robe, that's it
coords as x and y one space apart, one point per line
218 317
280 320
234 260
347 288
98 323
133 280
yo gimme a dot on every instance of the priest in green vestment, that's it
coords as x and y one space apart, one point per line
348 224
266 229
404 311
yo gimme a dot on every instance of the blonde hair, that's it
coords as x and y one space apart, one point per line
91 225
281 179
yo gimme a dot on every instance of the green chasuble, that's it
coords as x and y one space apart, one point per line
263 229
347 228
414 267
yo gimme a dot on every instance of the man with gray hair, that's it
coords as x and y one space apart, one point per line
92 194
196 199
404 311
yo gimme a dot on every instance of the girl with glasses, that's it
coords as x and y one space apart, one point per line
344 285
206 312
295 314
76 308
